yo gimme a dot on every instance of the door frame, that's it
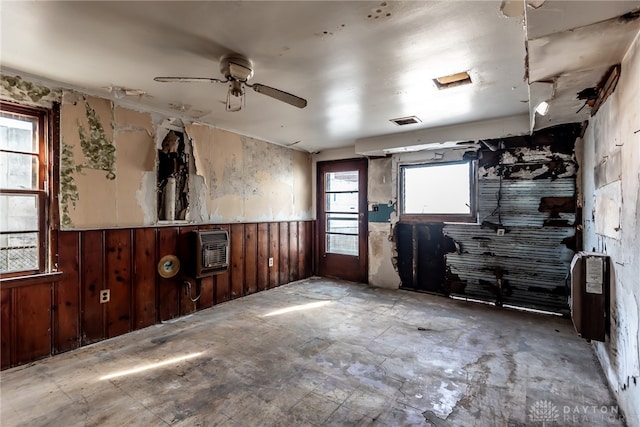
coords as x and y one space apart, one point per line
331 265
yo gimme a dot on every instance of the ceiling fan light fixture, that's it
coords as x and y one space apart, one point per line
235 96
237 70
236 67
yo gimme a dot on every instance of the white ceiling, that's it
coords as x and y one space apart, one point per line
359 64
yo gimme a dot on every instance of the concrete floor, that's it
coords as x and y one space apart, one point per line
344 354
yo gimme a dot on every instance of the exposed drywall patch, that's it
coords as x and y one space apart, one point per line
202 137
609 169
131 168
227 209
68 189
136 158
229 180
382 271
16 89
267 183
278 168
627 362
379 189
99 151
198 199
96 201
302 184
218 159
607 210
249 179
146 197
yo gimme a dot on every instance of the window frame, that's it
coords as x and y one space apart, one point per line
44 190
471 217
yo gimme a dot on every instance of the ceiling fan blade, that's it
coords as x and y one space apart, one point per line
279 95
188 80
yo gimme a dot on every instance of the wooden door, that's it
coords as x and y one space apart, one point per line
342 219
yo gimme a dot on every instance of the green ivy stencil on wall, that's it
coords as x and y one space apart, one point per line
96 147
22 90
68 189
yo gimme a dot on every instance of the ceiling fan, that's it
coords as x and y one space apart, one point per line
237 70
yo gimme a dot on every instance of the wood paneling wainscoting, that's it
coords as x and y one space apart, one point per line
62 312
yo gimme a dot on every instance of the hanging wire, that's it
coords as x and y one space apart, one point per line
187 291
498 210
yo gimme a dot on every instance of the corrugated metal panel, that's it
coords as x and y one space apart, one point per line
528 266
520 201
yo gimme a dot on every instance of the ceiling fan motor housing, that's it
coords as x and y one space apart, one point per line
236 67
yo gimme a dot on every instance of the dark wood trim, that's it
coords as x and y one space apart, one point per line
48 153
33 279
54 185
70 315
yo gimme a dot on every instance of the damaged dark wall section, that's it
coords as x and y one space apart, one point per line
526 190
421 257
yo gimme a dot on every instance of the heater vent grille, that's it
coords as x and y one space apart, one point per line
212 252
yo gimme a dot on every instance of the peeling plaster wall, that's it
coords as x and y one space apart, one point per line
611 183
246 179
106 151
382 272
95 204
108 170
16 89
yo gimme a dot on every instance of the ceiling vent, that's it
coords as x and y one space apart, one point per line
402 121
453 80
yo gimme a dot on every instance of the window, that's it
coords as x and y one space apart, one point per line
437 192
23 195
341 208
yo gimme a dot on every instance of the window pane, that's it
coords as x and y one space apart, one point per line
342 202
342 223
436 189
341 244
18 252
18 134
342 181
18 212
19 171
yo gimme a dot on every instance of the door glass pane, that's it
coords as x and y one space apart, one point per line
342 181
18 212
18 134
342 202
19 171
342 223
342 244
18 252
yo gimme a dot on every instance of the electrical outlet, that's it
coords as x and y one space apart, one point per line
500 232
105 296
270 262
